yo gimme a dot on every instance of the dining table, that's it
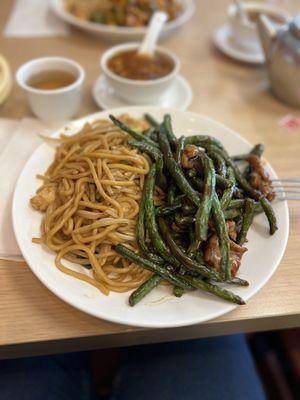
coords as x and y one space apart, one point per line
33 321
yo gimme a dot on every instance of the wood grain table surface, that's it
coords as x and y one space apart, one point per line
33 320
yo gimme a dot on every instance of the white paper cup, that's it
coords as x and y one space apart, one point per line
138 92
245 33
57 104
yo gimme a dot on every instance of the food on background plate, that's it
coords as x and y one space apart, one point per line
132 65
136 207
51 79
130 13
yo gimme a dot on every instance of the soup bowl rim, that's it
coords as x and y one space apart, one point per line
120 48
29 65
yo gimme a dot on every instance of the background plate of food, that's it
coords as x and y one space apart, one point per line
89 203
119 20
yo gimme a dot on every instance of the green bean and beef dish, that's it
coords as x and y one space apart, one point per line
196 239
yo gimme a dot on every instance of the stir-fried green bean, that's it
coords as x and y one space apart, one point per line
178 291
171 194
191 253
164 272
239 203
136 135
156 155
203 212
167 210
181 256
161 179
214 289
228 193
179 149
248 214
141 232
144 289
219 163
221 228
198 184
237 193
236 203
269 214
149 132
188 209
201 205
255 194
203 140
237 281
147 148
169 132
174 169
222 183
158 243
232 214
152 121
257 150
183 220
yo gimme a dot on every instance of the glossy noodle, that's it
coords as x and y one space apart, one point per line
90 200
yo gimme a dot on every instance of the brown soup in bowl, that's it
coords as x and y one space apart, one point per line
131 65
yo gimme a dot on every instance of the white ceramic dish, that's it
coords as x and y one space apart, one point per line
225 42
120 33
56 104
179 95
139 91
160 308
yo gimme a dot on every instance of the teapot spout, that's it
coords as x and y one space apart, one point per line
268 33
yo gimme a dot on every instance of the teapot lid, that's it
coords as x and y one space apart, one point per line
295 26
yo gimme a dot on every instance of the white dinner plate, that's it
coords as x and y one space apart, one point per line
122 33
159 308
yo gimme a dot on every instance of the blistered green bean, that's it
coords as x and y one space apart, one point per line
203 212
136 135
248 213
174 169
221 228
269 214
144 289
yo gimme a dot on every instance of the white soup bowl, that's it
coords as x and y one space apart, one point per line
138 92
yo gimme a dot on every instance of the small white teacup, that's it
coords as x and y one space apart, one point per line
138 91
50 105
245 32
